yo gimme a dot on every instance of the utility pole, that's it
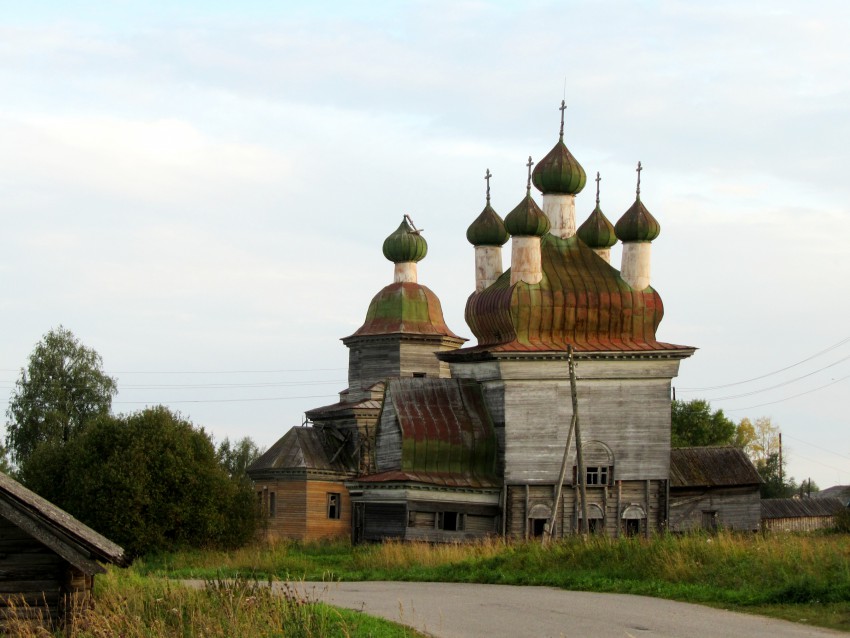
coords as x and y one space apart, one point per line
580 472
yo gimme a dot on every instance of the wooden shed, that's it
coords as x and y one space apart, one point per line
48 559
712 488
799 514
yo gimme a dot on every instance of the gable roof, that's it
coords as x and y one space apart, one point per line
301 448
447 435
74 541
799 507
711 467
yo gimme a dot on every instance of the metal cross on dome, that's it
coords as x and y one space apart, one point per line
562 108
638 169
598 179
530 164
487 177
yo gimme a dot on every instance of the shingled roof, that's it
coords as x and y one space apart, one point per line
799 507
711 467
74 541
300 449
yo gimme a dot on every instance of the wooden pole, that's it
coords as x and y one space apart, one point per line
550 532
580 472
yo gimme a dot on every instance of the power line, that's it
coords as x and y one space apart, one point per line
784 383
823 449
794 396
311 396
793 365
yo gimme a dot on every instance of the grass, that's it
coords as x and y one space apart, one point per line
131 605
804 578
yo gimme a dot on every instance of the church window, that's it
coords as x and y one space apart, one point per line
333 505
419 375
596 475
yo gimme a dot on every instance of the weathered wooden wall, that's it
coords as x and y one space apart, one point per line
377 358
35 582
797 524
388 442
737 508
318 524
606 503
623 403
301 509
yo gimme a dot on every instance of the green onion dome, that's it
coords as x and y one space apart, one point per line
637 224
527 220
597 231
405 244
559 172
488 229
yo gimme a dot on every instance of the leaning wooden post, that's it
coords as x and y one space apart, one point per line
580 475
550 531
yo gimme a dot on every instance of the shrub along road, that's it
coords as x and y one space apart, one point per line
460 610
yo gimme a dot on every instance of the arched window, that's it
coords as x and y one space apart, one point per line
634 520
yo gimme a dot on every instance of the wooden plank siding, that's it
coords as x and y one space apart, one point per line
798 524
300 510
732 508
525 502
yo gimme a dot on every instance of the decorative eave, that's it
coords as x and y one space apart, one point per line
476 354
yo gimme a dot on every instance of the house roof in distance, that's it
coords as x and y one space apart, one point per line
799 507
711 467
74 541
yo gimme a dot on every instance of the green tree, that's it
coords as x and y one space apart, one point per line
150 481
62 387
694 424
236 457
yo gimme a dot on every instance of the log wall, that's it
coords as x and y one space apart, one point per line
736 508
301 511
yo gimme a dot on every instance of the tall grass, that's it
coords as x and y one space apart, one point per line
742 572
129 605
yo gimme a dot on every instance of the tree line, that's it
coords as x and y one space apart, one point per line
695 424
150 480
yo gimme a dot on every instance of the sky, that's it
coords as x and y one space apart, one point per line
200 190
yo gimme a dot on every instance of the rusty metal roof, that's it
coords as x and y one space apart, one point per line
301 448
76 542
447 435
582 301
405 308
799 507
711 467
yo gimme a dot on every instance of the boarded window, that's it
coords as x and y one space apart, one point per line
426 520
709 520
333 505
272 505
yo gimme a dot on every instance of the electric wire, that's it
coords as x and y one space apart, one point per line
769 374
793 396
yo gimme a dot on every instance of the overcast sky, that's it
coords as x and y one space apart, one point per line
200 190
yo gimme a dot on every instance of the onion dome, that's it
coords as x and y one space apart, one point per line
405 244
597 231
559 172
488 229
527 220
637 223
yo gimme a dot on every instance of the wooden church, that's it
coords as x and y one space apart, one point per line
439 442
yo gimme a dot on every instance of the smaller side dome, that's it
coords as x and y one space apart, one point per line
488 229
597 231
527 220
405 244
637 224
